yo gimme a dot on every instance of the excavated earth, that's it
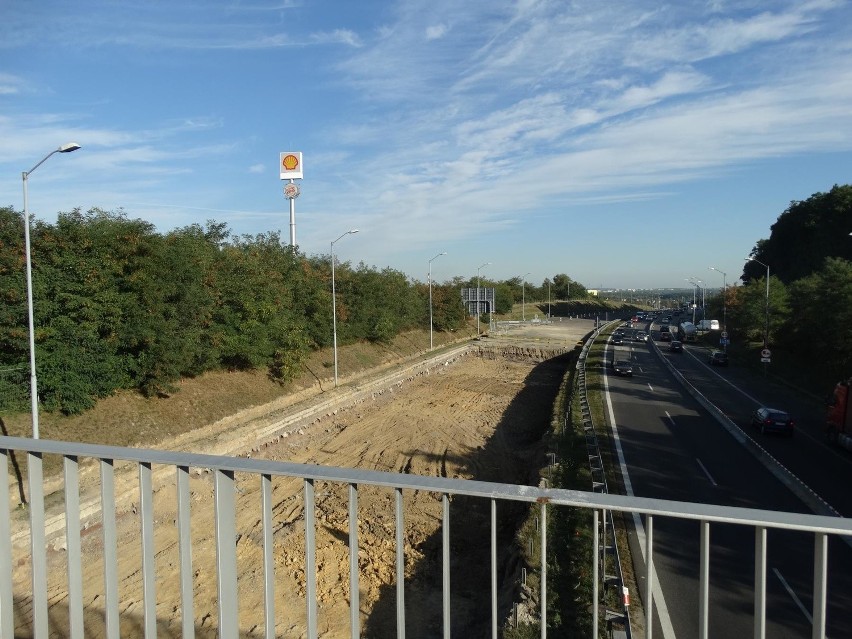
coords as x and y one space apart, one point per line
480 413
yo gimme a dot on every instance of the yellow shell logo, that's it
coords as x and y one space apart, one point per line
290 162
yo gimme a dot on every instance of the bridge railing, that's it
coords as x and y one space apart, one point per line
29 607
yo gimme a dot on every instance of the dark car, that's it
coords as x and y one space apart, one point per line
718 358
676 346
772 420
617 340
622 367
666 337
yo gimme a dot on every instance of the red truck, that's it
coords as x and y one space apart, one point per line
838 419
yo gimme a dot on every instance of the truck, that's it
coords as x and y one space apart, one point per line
838 419
708 325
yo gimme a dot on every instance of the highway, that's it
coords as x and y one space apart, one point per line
674 449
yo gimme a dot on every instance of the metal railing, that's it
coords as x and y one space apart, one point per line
30 607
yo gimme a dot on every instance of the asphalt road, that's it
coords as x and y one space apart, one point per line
674 449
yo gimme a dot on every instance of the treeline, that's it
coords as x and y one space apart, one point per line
809 255
119 306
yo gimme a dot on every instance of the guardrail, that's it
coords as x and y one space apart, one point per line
30 608
599 484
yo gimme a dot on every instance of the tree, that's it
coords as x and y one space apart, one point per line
804 235
821 314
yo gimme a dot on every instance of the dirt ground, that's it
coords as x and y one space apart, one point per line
481 417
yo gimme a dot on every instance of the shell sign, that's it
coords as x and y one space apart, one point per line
290 165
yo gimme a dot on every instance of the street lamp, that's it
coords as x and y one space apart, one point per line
724 305
65 148
524 297
334 302
766 325
478 268
694 286
430 297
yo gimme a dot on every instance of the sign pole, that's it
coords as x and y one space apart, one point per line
292 219
290 168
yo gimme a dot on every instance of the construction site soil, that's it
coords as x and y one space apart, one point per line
480 413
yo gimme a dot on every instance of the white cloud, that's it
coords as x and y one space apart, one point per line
257 168
436 31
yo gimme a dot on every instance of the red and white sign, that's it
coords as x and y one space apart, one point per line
290 165
766 353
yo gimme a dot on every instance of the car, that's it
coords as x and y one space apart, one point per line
666 337
622 367
718 358
617 340
640 336
772 420
676 346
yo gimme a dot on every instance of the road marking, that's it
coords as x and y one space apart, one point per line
657 590
795 599
651 387
706 472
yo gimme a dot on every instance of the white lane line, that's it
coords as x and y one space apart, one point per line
793 596
706 472
657 590
651 387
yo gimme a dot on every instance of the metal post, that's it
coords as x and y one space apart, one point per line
65 148
431 345
523 297
334 302
292 220
478 268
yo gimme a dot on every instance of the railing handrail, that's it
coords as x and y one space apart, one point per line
473 488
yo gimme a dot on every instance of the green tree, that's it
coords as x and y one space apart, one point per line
821 314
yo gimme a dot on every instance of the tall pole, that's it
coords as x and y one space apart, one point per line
724 306
478 268
334 302
430 298
524 297
766 321
292 220
694 286
65 148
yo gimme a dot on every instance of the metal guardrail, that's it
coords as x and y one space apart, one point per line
224 469
599 484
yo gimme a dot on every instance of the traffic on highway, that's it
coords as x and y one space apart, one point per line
691 427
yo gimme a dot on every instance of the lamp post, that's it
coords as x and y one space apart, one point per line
430 297
724 305
334 301
766 322
478 268
65 148
524 297
694 286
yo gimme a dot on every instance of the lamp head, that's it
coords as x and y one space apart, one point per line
353 231
67 148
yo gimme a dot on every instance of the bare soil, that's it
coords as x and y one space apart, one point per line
482 417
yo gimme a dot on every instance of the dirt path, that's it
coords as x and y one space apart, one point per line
479 418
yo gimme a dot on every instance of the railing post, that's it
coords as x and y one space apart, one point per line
310 558
185 553
760 582
595 571
704 579
110 549
543 570
226 553
445 562
149 577
649 577
400 566
820 584
268 562
7 618
72 543
354 593
37 544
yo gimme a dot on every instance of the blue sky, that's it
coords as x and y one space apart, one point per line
626 143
